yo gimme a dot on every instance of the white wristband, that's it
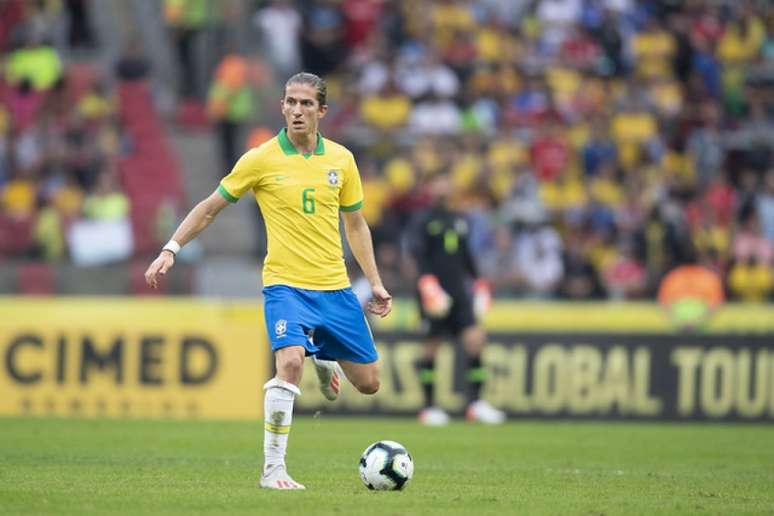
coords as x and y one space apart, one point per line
171 246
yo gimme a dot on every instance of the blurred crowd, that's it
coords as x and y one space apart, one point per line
594 144
59 135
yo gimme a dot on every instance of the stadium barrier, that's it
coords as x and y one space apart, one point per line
585 360
136 358
190 358
604 376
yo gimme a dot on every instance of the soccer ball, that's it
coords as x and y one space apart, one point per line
386 466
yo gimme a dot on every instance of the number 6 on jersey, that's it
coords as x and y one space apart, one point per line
307 200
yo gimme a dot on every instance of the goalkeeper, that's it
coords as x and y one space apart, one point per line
451 297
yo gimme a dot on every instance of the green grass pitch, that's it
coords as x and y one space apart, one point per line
60 466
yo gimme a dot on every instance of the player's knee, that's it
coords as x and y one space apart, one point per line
369 384
291 366
473 339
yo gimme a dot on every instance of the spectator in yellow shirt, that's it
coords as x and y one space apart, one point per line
653 51
742 40
751 280
17 197
388 110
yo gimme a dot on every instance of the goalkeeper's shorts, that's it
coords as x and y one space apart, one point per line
460 317
327 323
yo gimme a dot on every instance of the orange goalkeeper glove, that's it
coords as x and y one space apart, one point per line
482 297
435 301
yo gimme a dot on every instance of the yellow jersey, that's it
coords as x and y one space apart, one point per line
300 196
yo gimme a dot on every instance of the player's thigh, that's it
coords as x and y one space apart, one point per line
365 377
288 317
431 344
461 315
437 330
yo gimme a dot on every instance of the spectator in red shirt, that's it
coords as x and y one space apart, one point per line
361 17
549 153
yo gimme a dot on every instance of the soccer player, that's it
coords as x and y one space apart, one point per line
302 182
450 294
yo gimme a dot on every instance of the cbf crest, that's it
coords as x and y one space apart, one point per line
333 177
280 327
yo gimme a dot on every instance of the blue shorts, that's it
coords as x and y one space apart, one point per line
327 323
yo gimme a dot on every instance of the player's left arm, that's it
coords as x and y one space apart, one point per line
359 239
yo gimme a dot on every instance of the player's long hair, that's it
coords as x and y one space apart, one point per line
312 80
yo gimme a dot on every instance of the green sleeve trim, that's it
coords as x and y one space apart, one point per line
230 198
353 207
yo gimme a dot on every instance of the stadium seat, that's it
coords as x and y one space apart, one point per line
35 279
81 77
15 235
151 173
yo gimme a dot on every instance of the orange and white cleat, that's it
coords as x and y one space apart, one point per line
329 374
276 477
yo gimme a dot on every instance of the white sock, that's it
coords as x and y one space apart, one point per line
277 416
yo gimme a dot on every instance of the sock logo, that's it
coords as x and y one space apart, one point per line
280 327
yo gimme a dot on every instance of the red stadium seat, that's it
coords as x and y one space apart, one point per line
37 279
152 173
81 77
15 235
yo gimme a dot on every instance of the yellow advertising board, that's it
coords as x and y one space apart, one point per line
185 358
131 357
594 317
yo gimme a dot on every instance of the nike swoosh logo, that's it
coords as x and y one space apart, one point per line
280 178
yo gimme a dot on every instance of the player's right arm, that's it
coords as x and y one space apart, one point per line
194 223
241 179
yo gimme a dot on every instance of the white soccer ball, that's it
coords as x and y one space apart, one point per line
386 466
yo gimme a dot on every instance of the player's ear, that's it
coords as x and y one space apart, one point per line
322 110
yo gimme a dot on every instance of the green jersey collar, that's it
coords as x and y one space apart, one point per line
289 149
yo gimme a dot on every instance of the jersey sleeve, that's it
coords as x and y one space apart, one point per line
351 197
243 177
